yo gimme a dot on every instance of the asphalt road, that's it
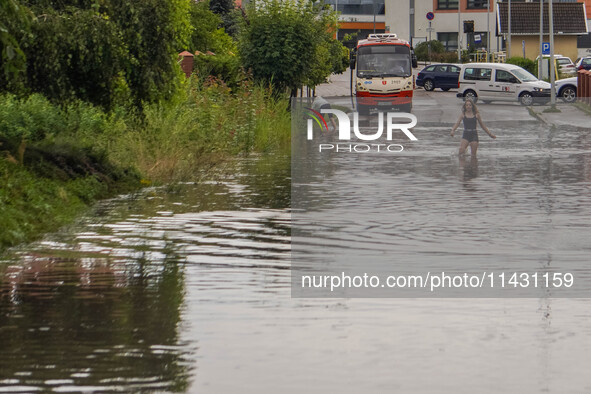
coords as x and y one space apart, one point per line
439 107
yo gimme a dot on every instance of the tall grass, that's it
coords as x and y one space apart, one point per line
56 160
208 122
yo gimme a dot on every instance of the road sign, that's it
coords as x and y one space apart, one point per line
430 16
545 48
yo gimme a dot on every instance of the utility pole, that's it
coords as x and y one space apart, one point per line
552 76
541 38
374 16
411 20
508 30
459 33
336 9
487 29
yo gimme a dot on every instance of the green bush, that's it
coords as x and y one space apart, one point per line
528 64
445 57
226 67
422 49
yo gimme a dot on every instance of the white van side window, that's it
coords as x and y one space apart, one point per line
505 76
477 74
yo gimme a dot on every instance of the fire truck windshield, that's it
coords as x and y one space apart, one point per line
383 61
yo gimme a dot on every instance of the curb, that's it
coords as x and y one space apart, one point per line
539 116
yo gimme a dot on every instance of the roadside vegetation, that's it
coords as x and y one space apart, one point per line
93 101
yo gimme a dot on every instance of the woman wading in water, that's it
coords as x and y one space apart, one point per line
470 116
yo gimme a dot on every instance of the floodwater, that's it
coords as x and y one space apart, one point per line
188 288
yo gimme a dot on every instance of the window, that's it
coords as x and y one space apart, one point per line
478 4
477 74
383 61
524 75
454 69
449 41
441 69
430 68
358 7
447 4
505 76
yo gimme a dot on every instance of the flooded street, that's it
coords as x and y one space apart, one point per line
188 288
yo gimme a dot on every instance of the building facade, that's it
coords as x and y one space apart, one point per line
408 19
359 16
569 23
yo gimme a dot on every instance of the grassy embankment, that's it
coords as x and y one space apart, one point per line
55 162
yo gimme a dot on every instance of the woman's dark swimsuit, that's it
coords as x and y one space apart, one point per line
470 133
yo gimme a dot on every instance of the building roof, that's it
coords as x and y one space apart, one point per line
569 18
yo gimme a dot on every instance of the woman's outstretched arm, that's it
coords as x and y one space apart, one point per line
453 129
484 127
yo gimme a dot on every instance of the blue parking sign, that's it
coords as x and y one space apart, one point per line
545 48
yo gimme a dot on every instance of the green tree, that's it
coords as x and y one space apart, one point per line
206 35
221 7
104 50
15 20
76 53
287 43
154 32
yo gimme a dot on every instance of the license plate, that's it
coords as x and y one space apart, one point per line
384 103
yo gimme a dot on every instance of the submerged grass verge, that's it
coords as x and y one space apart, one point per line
56 161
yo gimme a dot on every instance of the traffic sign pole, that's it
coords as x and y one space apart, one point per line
430 17
541 39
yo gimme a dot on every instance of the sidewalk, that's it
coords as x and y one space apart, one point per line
569 115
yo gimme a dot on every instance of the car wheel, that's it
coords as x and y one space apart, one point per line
445 89
428 85
526 98
470 95
568 94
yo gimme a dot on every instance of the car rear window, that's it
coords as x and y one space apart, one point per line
477 74
586 61
564 61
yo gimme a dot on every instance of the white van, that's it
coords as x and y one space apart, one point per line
501 82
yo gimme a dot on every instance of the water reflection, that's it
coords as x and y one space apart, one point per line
468 169
100 308
188 289
92 322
